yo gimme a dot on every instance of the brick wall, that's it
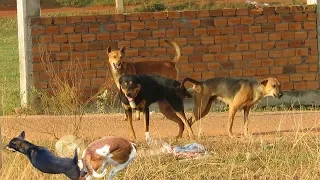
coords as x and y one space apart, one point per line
277 42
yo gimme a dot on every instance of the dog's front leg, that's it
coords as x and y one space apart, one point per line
129 117
146 123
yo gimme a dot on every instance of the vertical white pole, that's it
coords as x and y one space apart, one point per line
25 10
119 6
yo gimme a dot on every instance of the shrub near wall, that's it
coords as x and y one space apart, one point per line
278 42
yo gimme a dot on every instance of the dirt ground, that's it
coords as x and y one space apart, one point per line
262 124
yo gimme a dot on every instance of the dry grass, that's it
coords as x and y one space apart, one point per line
278 155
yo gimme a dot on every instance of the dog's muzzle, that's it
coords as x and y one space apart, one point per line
118 65
9 149
279 95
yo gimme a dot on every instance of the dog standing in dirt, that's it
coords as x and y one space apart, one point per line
236 92
42 159
140 91
119 68
108 150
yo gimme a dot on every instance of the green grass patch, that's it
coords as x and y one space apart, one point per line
9 65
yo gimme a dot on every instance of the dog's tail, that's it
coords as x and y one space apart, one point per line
194 82
177 48
88 167
75 158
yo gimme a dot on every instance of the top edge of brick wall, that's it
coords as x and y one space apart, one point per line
227 12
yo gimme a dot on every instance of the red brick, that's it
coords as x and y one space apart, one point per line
67 29
302 52
295 26
268 45
189 14
60 38
76 56
146 16
67 47
145 52
90 73
110 27
172 32
300 85
174 15
151 25
294 60
74 38
105 18
242 12
103 36
81 29
216 12
52 30
287 35
226 65
186 32
203 13
260 37
262 54
248 38
300 17
213 31
82 47
46 39
130 35
233 21
241 29
261 19
221 57
206 22
295 43
240 64
73 19
282 44
282 78
301 35
208 57
116 36
255 46
268 27
137 25
274 19
207 39
180 41
95 46
60 20
62 56
235 38
218 22
214 48
312 17
310 42
269 10
88 37
312 84
213 66
282 27
255 12
275 36
235 72
283 10
178 24
309 25
287 86
302 68
137 43
247 20
200 67
227 30
262 71
242 47
88 19
38 30
165 24
90 55
159 33
97 64
275 53
195 58
314 68
228 48
267 62
254 63
160 15
235 56
123 26
207 75
194 23
195 75
248 55
229 12
186 67
312 59
132 52
254 29
287 18
249 72
200 31
313 50
46 20
221 39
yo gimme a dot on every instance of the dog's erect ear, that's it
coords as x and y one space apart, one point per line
109 49
197 88
122 50
22 135
264 82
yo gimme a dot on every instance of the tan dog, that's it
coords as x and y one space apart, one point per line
108 150
236 92
119 68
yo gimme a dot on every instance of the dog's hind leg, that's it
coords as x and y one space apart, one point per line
246 111
232 112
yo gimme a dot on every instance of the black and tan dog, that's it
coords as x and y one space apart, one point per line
140 91
42 159
118 67
236 92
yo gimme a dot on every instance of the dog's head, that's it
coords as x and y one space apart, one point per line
115 58
17 143
272 87
130 86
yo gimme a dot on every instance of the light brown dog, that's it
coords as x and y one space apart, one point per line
236 92
119 68
108 150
